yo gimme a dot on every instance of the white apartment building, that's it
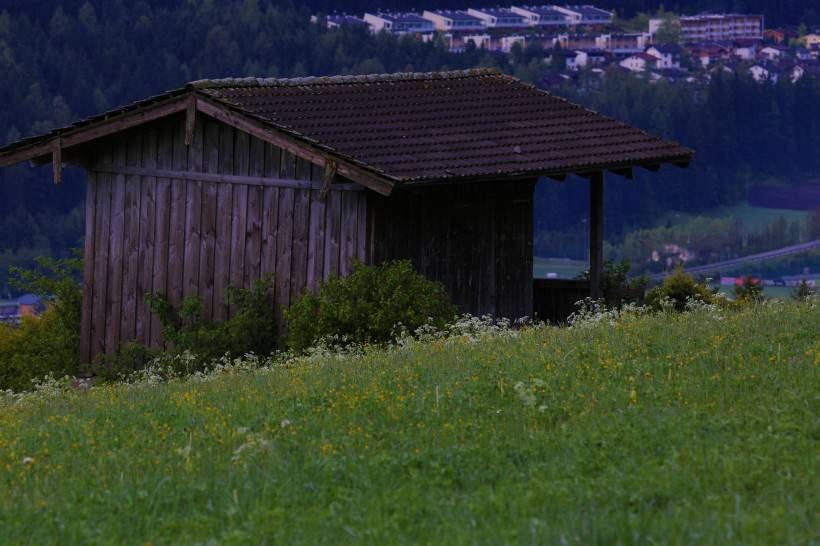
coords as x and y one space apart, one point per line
398 23
704 28
542 16
585 14
507 42
453 20
499 17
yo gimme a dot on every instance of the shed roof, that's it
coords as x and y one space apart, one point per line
425 127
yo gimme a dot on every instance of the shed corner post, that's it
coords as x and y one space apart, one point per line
596 234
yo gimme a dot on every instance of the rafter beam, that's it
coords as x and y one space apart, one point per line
57 160
190 120
365 177
330 174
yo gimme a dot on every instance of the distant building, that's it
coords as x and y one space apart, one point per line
624 43
708 53
597 57
499 18
701 28
453 20
761 74
640 62
13 311
772 53
580 58
721 27
776 35
671 75
811 40
790 70
576 41
542 16
398 23
338 21
586 15
576 60
507 42
669 55
745 49
480 41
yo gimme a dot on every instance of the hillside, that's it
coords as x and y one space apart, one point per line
694 428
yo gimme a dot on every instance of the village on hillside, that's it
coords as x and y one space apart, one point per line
591 41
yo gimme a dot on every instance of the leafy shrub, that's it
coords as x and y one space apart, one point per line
678 289
749 290
50 343
616 276
251 329
129 357
804 291
368 305
616 285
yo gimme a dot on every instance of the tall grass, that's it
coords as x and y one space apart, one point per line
666 429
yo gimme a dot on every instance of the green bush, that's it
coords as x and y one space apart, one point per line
251 329
750 290
368 305
50 343
679 288
804 291
128 357
616 276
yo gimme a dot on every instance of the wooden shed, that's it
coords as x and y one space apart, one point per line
223 181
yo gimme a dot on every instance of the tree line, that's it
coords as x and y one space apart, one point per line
61 61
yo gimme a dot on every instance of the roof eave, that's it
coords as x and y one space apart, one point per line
93 128
52 144
621 168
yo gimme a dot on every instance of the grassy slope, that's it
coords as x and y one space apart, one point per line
754 218
564 268
676 430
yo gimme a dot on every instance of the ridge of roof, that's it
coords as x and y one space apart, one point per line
331 80
354 119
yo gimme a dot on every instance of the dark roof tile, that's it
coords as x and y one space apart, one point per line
418 127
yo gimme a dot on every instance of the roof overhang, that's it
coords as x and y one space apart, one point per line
66 144
625 170
55 146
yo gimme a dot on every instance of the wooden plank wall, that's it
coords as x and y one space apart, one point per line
183 237
476 239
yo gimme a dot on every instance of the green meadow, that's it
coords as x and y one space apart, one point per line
698 428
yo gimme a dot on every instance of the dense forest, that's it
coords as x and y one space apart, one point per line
62 60
777 12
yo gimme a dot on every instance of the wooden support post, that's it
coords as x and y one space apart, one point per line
190 120
57 160
596 234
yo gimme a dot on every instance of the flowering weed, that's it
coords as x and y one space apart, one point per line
626 427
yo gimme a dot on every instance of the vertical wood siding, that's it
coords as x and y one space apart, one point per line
476 239
181 237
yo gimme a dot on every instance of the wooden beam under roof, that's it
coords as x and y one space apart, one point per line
365 177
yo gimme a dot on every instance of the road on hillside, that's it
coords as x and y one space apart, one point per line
771 254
